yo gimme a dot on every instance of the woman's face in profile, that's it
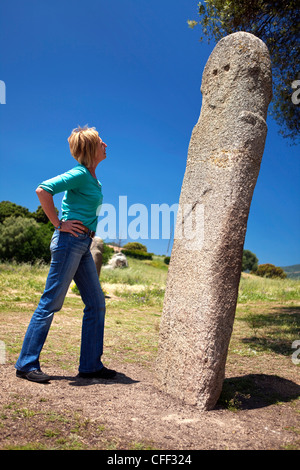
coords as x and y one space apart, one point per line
101 151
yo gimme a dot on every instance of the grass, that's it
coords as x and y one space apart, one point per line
146 273
255 289
266 324
267 316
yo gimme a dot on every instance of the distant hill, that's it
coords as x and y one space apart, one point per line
292 272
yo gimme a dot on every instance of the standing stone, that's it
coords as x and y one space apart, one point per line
97 250
223 163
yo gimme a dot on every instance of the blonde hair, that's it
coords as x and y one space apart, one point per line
83 143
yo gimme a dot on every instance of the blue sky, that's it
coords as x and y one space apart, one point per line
133 70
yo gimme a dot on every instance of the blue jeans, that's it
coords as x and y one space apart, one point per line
70 259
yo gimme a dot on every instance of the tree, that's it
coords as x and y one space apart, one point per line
24 240
135 246
40 216
250 261
9 209
270 271
276 22
106 253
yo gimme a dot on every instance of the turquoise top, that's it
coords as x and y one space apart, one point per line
83 195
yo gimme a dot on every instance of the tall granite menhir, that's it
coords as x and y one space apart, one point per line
223 163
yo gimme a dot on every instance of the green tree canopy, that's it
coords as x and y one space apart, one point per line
250 261
135 246
8 209
276 22
40 216
270 271
24 240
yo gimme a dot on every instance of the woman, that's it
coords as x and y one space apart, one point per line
71 259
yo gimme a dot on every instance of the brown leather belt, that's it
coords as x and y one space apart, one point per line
90 233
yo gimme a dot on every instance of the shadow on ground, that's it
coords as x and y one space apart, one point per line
268 329
76 381
256 391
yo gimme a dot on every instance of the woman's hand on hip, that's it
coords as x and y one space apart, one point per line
72 226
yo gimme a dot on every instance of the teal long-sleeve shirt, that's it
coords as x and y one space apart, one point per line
83 195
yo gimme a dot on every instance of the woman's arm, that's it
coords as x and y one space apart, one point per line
46 200
47 203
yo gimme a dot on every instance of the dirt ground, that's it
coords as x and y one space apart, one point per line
133 413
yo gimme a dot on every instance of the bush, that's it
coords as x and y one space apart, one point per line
270 271
167 259
24 240
250 261
106 253
137 254
135 246
10 209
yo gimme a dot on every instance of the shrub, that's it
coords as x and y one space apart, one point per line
135 246
24 240
167 259
270 271
106 253
250 261
137 254
10 209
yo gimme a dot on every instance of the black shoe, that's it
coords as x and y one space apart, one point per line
33 376
103 373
